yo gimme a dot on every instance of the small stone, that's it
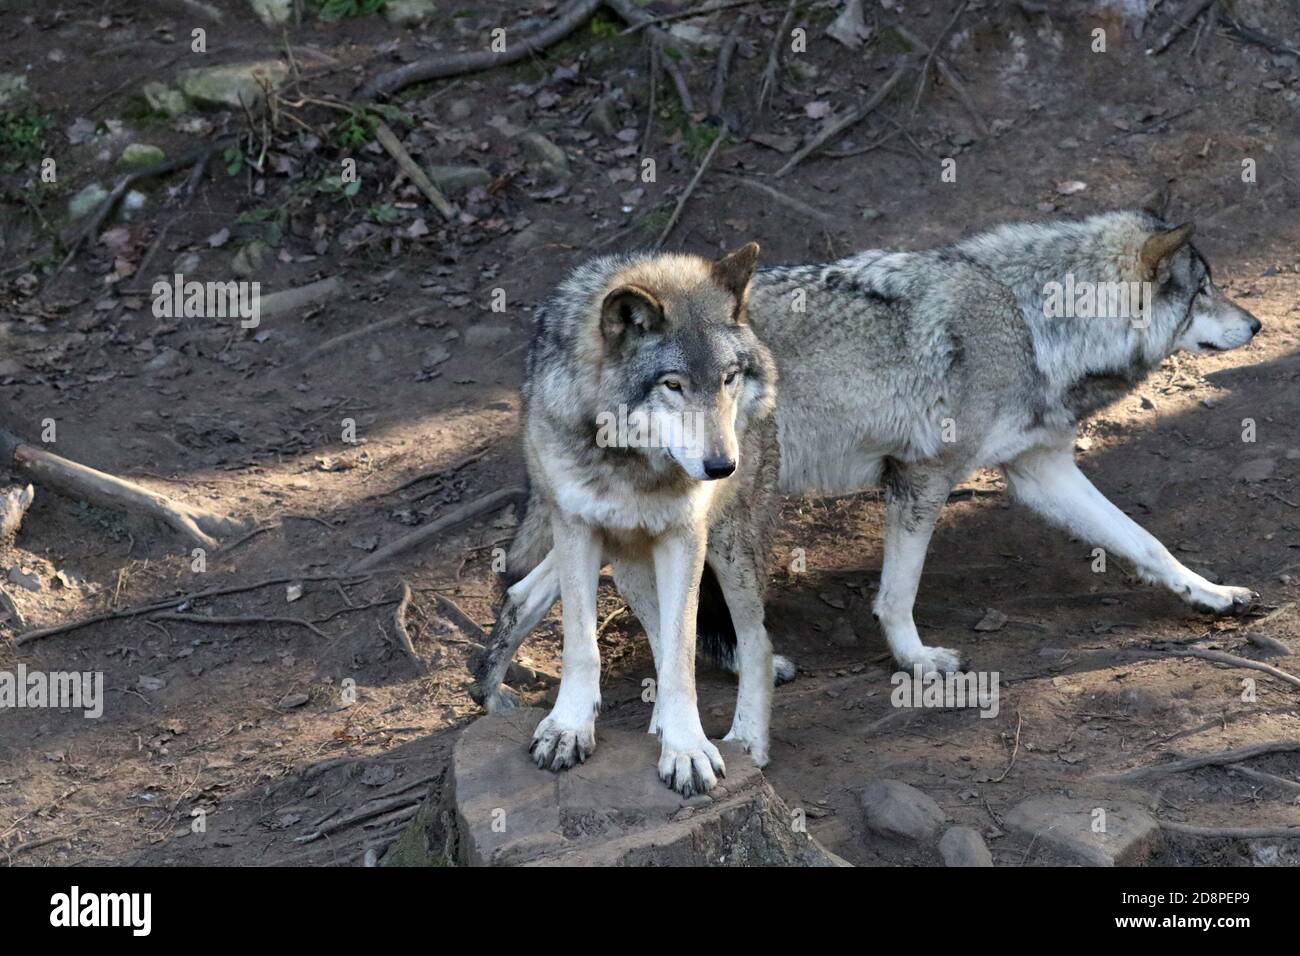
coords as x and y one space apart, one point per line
164 100
898 810
1257 469
962 846
458 110
272 12
406 12
1090 832
290 701
137 155
251 259
145 682
604 117
232 87
13 87
87 200
25 578
551 161
993 620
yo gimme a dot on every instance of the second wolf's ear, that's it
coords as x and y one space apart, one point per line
733 272
1159 247
629 309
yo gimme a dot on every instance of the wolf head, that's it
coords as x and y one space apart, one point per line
1180 276
680 364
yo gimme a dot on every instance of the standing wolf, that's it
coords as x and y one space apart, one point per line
914 369
650 442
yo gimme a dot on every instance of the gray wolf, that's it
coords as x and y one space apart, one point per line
650 443
913 369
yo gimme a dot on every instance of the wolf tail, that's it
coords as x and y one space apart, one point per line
532 541
715 632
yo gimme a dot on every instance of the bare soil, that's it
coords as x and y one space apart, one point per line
253 724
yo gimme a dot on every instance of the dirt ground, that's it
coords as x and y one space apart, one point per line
271 730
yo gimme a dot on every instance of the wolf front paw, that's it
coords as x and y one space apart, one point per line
932 660
692 768
1220 599
559 747
783 670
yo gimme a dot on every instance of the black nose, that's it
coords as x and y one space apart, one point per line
1255 325
718 467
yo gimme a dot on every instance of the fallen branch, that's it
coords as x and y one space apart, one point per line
374 809
690 187
249 621
952 79
290 300
725 53
1219 657
366 330
1272 779
839 124
388 139
934 52
797 205
1236 833
689 14
200 526
1182 20
630 12
172 602
1244 34
438 67
428 475
403 635
456 516
768 81
1217 759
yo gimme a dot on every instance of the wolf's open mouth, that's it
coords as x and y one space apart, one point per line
1211 347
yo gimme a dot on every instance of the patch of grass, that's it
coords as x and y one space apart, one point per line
697 138
22 134
603 27
347 9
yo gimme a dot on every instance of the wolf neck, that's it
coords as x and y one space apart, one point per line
1086 361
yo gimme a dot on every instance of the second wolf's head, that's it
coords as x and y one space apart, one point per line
681 373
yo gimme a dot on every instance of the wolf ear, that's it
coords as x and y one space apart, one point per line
1156 202
627 309
1160 246
734 270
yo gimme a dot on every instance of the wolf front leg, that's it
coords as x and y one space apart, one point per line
635 580
1048 480
913 499
688 762
527 602
567 735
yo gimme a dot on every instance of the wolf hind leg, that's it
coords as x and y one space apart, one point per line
913 499
742 590
527 602
1049 481
635 581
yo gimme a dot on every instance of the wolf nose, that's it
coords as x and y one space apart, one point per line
718 467
1255 325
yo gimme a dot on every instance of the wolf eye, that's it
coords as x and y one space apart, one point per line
672 384
731 377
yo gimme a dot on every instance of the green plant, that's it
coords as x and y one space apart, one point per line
603 27
354 130
343 9
22 133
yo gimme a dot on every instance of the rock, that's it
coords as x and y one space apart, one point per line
137 155
13 508
458 110
962 846
13 87
483 335
549 158
1066 824
406 12
993 620
697 37
251 259
898 810
87 200
1257 469
25 578
164 100
458 177
850 27
132 203
497 808
226 87
272 12
538 237
604 117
